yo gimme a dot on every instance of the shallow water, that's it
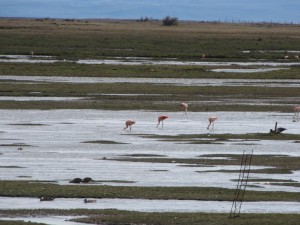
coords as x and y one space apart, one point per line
54 149
258 70
18 98
182 63
50 220
145 205
173 81
137 61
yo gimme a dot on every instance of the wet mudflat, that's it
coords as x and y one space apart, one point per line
59 145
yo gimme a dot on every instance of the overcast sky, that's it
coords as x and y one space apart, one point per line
199 10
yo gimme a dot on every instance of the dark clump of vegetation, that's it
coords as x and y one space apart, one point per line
170 21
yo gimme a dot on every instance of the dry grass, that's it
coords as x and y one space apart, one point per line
128 26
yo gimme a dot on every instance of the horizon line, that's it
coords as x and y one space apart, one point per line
149 19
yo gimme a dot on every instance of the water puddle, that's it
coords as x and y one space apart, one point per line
145 205
173 81
182 63
276 51
50 220
28 59
136 61
17 98
259 70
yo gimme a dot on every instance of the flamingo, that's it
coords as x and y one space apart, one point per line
161 119
211 120
184 107
296 114
129 123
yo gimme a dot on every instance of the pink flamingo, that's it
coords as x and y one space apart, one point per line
184 106
129 123
212 120
296 114
161 119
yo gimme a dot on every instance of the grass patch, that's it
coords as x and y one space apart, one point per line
190 218
12 167
226 137
103 39
118 217
36 189
278 163
140 71
145 96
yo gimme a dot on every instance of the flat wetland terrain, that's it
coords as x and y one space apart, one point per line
68 86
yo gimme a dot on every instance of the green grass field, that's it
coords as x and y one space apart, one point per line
100 39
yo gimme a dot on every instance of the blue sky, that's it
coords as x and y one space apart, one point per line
199 10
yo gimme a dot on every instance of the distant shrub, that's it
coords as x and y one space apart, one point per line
170 21
145 19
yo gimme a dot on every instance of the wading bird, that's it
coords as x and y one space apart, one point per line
161 119
129 123
277 130
184 106
89 200
296 113
42 198
211 121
